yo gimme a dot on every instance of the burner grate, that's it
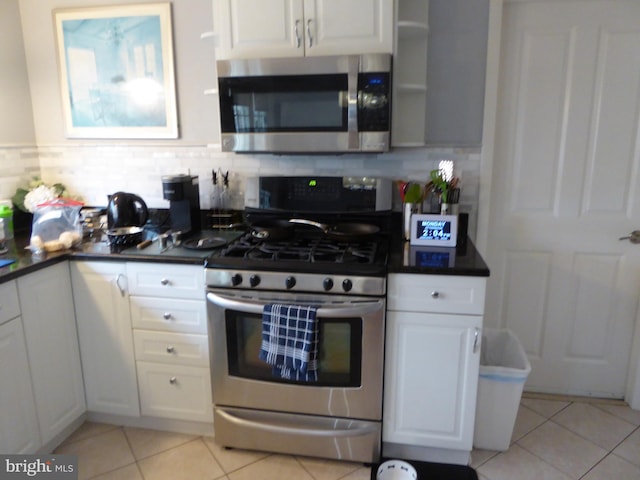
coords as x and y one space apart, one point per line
303 249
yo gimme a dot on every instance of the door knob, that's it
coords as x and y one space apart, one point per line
633 237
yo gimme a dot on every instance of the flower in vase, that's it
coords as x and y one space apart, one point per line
439 184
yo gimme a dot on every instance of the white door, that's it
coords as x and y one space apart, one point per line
336 27
431 379
264 28
106 339
566 186
19 431
46 302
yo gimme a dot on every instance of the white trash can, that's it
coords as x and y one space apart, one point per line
504 368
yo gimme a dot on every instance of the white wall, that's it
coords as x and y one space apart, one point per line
18 156
16 118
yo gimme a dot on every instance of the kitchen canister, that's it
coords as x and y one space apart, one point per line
409 209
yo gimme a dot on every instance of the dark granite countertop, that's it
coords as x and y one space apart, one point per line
464 259
25 262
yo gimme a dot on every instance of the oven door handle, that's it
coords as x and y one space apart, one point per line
359 429
257 308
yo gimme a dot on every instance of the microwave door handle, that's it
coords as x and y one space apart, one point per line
257 308
353 67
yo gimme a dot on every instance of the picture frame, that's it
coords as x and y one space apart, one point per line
434 230
116 71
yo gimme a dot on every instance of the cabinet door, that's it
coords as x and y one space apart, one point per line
336 27
18 425
46 303
431 378
106 338
9 305
259 28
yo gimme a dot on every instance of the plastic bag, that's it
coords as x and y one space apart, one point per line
56 225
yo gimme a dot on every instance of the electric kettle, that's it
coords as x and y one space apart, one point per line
126 210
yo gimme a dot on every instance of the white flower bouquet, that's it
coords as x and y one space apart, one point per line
36 193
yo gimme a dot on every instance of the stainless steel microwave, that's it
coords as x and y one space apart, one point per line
335 104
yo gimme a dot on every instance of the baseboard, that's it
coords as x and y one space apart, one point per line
154 423
426 454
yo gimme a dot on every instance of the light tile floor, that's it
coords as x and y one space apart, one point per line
553 439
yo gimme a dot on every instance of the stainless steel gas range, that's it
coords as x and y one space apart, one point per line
296 327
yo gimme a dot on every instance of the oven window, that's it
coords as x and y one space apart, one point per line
339 350
314 103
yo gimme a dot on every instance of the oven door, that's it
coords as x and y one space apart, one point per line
351 351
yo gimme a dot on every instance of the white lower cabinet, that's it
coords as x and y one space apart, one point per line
19 432
143 336
171 342
432 362
46 303
104 325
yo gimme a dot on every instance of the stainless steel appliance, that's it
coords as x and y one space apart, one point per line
338 415
306 104
183 193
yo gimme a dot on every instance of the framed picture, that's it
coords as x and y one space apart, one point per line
116 71
434 230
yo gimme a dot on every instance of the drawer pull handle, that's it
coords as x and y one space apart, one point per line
173 380
171 350
435 294
167 315
165 281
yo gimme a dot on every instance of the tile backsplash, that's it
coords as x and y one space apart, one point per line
94 171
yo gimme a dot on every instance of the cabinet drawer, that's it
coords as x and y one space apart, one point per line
170 314
172 348
163 280
175 391
436 293
9 305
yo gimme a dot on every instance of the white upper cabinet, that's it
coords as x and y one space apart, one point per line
293 28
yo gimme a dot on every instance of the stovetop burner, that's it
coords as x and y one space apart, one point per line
314 249
308 251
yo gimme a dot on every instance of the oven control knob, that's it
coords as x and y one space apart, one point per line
254 280
347 285
236 279
327 284
290 282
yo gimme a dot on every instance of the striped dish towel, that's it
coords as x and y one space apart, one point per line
290 341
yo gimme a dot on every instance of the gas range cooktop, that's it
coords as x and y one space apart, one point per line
307 252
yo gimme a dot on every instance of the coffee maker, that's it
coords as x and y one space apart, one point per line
183 193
